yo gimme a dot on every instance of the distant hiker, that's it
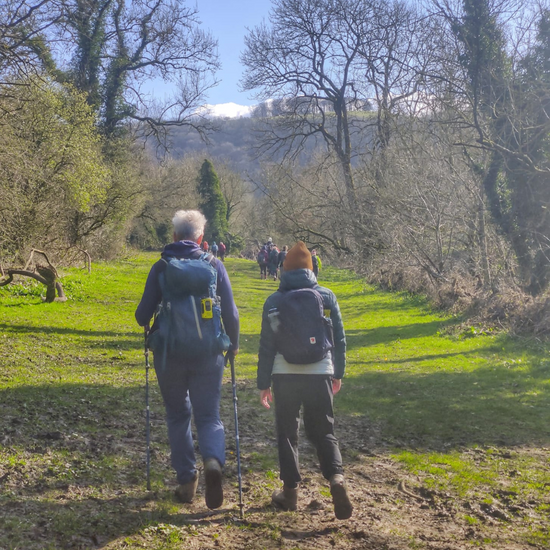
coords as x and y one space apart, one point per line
214 249
191 383
273 262
316 262
221 251
281 259
262 258
305 361
204 246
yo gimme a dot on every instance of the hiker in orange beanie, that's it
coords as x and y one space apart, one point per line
298 257
303 355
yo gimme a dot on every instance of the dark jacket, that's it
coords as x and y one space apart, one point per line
152 295
290 280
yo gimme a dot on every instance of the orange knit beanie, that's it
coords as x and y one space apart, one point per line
298 257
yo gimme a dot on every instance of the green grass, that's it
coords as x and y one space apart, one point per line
466 413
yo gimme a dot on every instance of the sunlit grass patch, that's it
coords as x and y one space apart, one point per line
505 484
454 471
465 416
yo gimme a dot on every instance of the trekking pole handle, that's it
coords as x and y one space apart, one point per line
146 331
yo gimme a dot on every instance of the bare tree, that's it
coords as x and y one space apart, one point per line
308 204
307 56
115 51
22 27
234 189
499 84
328 61
121 47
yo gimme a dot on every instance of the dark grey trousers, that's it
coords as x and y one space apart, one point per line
313 392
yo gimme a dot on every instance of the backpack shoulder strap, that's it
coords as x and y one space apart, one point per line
208 258
196 255
162 277
205 256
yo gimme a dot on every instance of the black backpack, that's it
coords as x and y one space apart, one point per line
302 332
274 255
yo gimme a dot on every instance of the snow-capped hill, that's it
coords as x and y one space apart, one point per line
226 110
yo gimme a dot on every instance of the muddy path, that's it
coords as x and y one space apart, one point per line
71 488
393 509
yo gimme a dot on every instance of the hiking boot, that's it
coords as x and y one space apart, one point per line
287 499
186 491
340 499
213 494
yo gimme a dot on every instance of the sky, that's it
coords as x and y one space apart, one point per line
227 20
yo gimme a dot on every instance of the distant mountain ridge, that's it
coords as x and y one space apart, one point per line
239 127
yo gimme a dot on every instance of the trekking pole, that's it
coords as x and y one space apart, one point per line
147 415
229 356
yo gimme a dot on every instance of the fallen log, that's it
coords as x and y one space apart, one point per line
44 275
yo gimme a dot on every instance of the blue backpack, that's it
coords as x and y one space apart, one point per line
302 332
189 316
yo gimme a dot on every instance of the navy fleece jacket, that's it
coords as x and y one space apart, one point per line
152 295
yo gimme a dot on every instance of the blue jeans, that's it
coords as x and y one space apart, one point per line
193 389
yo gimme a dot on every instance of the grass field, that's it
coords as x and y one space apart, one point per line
445 433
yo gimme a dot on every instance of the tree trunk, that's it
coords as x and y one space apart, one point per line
482 236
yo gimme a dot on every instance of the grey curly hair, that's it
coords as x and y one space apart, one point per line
188 224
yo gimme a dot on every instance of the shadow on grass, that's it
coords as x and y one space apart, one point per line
385 335
428 358
74 522
72 468
73 461
97 338
30 329
382 301
492 405
73 475
63 442
249 343
31 412
356 339
109 339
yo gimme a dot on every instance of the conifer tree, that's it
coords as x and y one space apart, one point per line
212 203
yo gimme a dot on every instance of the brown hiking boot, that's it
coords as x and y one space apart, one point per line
213 494
186 491
340 499
287 499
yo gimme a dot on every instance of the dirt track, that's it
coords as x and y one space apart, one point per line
392 510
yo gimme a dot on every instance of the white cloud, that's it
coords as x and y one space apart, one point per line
225 110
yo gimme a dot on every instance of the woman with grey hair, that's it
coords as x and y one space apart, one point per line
192 386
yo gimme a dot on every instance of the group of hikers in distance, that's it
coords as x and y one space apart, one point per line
218 251
301 361
271 260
